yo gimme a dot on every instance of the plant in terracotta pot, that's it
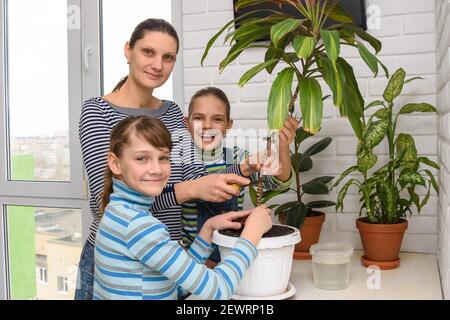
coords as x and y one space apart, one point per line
389 192
298 213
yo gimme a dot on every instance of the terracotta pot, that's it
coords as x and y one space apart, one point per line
310 233
381 243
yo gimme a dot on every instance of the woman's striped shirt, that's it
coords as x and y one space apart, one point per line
98 118
136 259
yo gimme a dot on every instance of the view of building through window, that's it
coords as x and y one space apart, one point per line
44 250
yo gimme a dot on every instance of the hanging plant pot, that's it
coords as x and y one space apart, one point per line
381 243
310 233
269 274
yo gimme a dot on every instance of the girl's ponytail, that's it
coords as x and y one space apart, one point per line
107 190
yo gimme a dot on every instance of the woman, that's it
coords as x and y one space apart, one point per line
151 55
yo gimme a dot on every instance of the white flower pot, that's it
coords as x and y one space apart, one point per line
269 273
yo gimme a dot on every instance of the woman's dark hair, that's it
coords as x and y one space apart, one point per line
210 91
149 25
149 129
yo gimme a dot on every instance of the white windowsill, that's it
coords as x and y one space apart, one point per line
416 278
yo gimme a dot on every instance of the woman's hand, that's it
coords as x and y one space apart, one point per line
218 187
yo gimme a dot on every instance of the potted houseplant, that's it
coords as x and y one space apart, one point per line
389 192
274 258
306 50
297 213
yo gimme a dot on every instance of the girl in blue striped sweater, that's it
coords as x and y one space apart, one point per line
135 257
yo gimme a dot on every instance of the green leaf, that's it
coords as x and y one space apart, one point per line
342 194
315 187
304 46
386 71
344 174
433 180
332 79
273 193
247 30
366 161
301 163
414 78
417 107
276 53
217 35
375 133
414 198
337 13
331 42
405 143
284 207
320 204
280 98
395 85
425 199
410 177
252 193
240 46
247 76
389 202
296 215
281 29
247 3
368 58
382 114
353 103
318 147
311 104
301 135
323 179
375 43
428 162
374 104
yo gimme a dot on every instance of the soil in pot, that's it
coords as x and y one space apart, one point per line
275 231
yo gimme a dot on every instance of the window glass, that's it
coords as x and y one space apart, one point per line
44 244
37 83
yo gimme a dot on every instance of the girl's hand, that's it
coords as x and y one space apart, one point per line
228 220
288 132
221 222
257 223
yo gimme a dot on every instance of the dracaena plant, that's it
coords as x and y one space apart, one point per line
388 193
305 50
296 211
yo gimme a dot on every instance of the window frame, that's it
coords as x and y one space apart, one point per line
85 62
75 187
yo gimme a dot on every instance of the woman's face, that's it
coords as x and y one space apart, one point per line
152 59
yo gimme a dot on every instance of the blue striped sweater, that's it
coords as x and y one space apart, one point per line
136 259
215 163
98 117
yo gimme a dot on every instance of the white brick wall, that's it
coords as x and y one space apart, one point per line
443 101
408 33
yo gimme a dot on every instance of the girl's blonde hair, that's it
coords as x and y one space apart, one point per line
149 129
